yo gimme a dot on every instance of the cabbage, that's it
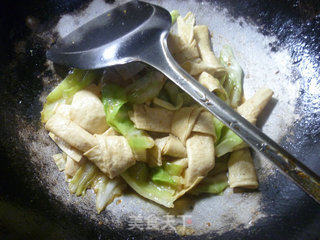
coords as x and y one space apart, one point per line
218 126
83 179
173 168
89 176
106 190
174 15
159 175
162 194
161 184
173 96
114 100
233 82
168 174
146 88
214 185
221 165
228 143
227 140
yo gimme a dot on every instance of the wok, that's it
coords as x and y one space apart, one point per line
276 42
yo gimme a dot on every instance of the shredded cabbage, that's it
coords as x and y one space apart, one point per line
106 190
218 125
173 95
114 100
163 95
83 179
233 82
227 140
221 165
89 176
169 173
173 169
162 194
157 184
174 15
161 176
146 88
228 143
214 185
222 94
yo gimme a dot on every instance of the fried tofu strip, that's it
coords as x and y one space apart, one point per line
183 46
71 133
63 109
185 28
151 119
112 155
87 110
251 108
241 170
202 36
183 122
201 159
213 85
240 165
170 146
204 124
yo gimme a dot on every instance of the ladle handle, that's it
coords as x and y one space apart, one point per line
307 180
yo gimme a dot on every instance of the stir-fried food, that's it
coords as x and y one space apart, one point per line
129 125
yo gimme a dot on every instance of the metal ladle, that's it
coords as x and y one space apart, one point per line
137 31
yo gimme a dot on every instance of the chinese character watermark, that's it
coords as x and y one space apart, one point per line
153 222
136 221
